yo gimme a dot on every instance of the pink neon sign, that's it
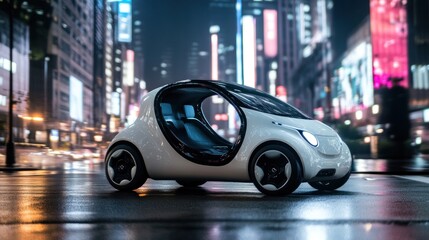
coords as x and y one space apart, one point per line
214 51
389 42
130 55
270 33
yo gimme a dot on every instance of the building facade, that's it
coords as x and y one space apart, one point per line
99 84
418 51
311 78
70 72
20 71
381 83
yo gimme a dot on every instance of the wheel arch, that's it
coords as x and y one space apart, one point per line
274 142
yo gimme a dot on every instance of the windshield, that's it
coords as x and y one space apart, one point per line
263 102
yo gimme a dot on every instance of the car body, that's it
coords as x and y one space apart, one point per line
272 144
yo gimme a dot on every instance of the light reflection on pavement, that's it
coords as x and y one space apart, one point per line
416 165
67 161
71 199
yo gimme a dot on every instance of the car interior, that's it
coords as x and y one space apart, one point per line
188 128
191 131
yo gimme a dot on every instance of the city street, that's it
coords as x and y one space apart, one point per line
223 89
71 199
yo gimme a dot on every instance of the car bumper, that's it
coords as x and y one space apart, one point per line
327 167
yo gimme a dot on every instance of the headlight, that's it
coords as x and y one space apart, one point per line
310 138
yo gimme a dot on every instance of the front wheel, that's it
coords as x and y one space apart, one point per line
275 170
330 185
125 169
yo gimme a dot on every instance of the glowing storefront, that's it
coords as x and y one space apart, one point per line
377 53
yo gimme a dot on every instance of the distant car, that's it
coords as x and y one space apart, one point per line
266 141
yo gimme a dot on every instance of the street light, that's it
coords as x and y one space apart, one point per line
45 97
10 145
45 82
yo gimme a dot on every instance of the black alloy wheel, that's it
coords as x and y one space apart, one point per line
275 170
125 169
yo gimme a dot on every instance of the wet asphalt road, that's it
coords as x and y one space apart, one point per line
75 201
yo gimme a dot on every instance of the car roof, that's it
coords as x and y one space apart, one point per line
219 83
202 81
247 97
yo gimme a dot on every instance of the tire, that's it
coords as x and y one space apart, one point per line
330 185
275 170
125 168
191 183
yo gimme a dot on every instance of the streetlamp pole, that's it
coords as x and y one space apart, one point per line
10 145
45 98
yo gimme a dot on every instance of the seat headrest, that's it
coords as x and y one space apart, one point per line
189 111
166 109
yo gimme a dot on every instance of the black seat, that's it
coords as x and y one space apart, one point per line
201 134
173 123
187 129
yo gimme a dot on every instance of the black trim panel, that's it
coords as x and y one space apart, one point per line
193 152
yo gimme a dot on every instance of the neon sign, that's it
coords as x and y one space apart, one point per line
389 32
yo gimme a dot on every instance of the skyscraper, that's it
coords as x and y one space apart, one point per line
418 51
63 57
20 70
99 94
223 30
310 82
174 35
290 41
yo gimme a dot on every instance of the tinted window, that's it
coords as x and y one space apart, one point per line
260 101
222 117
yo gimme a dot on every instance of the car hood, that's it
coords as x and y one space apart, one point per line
310 125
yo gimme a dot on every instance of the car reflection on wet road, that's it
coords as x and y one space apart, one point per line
71 199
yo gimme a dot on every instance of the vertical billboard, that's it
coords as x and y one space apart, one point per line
108 46
128 66
389 33
124 24
249 50
270 33
116 104
214 53
353 85
238 41
76 99
305 23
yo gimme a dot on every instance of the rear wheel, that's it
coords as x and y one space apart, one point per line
330 184
191 183
125 169
275 170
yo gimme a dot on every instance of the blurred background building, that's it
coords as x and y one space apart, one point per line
82 66
21 70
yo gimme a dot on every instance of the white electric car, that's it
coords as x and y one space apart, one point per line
195 131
